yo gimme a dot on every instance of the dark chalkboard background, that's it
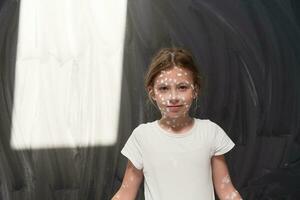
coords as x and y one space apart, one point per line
249 54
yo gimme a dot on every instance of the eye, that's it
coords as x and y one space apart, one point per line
183 87
163 88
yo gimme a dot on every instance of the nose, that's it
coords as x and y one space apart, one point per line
173 97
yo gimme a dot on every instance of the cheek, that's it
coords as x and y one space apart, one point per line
161 99
186 98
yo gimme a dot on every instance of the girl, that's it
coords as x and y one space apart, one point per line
181 157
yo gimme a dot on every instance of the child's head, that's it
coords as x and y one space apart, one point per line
173 81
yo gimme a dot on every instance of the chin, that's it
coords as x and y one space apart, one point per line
175 115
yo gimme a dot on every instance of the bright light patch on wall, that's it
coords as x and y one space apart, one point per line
68 73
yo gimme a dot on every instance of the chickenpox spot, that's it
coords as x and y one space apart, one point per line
225 180
231 196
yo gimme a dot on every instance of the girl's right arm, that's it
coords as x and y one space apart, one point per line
131 183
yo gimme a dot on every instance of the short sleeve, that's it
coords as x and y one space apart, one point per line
221 143
132 151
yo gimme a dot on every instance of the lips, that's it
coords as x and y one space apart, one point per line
175 106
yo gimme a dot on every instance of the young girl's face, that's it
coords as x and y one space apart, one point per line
173 91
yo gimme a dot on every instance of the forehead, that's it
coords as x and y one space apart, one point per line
174 74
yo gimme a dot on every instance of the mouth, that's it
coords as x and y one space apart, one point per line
174 106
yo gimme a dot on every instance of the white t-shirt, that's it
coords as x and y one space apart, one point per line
177 166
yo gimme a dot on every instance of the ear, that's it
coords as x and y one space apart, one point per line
151 93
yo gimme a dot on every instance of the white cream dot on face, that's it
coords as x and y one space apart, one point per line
185 73
179 74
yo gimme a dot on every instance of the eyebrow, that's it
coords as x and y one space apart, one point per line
184 83
180 83
162 84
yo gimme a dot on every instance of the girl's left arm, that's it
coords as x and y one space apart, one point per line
221 179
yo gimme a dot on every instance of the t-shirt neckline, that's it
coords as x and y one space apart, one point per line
176 135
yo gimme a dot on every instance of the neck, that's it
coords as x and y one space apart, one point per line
176 124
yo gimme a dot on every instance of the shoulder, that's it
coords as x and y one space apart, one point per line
215 130
143 129
208 128
207 123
